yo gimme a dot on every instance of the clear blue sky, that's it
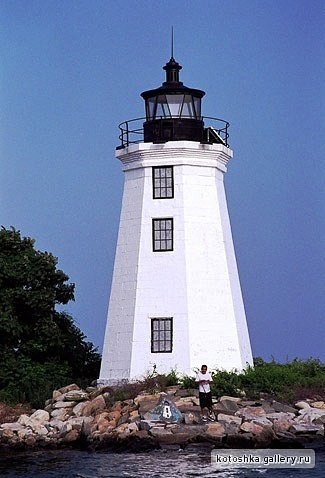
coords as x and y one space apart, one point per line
72 70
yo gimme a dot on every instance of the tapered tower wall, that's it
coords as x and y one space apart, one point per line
196 283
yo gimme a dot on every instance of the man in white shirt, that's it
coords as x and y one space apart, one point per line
203 378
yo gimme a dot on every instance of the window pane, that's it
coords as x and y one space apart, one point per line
187 110
197 106
161 339
175 103
151 102
162 234
163 182
162 107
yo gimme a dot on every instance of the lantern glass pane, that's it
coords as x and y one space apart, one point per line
175 104
188 110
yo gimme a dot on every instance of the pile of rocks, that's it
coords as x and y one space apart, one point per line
90 418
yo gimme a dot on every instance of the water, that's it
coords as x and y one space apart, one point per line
153 464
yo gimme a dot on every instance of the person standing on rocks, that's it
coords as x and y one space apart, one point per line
204 378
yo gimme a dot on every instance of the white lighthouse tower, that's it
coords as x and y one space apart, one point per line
176 299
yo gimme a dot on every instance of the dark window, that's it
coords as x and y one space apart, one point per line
162 335
162 234
163 182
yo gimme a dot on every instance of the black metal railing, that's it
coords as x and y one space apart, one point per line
131 131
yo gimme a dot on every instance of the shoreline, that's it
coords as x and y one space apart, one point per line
90 420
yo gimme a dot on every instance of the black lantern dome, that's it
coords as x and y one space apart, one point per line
173 111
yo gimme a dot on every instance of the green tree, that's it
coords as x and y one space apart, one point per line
40 348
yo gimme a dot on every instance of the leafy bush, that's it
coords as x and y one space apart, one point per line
283 380
188 382
288 381
225 383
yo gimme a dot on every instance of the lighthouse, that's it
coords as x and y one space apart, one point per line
176 299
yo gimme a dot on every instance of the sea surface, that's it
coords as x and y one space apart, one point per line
153 464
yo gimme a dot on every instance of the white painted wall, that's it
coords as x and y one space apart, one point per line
197 283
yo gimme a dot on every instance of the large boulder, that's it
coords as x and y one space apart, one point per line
215 430
319 404
281 407
64 404
252 427
222 417
309 415
76 396
90 407
302 404
39 416
307 428
165 411
250 413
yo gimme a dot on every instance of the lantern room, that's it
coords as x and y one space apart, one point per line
173 111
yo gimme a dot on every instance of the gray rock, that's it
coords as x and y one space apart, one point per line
60 414
250 413
215 430
302 404
262 421
219 408
148 424
251 427
40 416
63 404
166 411
281 407
280 416
308 415
76 396
15 427
231 428
68 388
229 404
159 432
229 419
307 428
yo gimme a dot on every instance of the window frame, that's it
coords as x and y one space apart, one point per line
162 239
165 343
162 182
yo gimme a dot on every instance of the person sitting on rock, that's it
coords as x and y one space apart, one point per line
203 378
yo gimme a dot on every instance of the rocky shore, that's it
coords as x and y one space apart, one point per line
91 419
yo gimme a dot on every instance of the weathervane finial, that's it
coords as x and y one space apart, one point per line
172 45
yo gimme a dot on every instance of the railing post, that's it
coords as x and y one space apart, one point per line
127 133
